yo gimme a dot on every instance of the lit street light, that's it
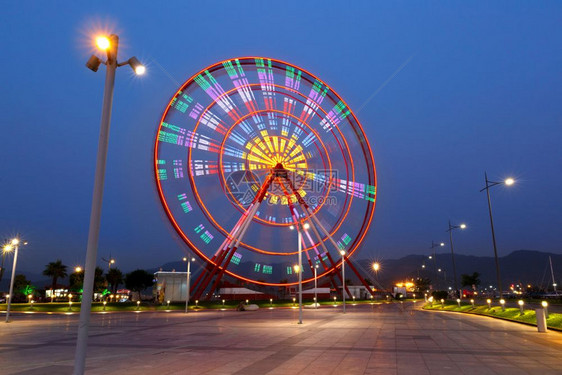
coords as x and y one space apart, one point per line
189 260
450 230
13 245
109 45
489 184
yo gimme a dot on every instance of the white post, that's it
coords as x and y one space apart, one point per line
343 278
187 283
95 215
10 296
315 287
300 274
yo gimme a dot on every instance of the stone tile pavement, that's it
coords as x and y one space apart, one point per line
380 339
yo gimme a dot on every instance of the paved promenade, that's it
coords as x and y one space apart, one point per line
384 339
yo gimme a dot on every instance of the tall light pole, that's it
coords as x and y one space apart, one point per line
450 230
342 252
14 245
433 246
315 286
110 45
188 260
489 184
299 265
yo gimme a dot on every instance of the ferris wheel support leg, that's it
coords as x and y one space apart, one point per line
232 250
346 259
204 278
242 229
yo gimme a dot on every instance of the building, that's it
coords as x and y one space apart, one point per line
170 286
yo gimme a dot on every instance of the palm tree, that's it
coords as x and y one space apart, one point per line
114 277
55 270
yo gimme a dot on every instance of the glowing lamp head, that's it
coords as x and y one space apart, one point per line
488 301
509 181
306 226
342 252
184 259
442 300
471 301
103 43
296 268
502 301
292 227
15 242
462 226
376 266
137 66
442 244
458 300
520 302
78 269
544 304
8 248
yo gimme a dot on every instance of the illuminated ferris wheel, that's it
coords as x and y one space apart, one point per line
249 148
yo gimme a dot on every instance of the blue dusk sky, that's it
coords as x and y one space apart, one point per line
445 91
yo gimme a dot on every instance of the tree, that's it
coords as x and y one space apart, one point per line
99 280
55 270
76 281
470 280
114 277
138 281
20 285
422 284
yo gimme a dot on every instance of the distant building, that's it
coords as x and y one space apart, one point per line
170 286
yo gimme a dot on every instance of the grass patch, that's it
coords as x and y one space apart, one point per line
63 307
554 321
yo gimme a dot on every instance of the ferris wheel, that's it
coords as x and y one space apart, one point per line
249 149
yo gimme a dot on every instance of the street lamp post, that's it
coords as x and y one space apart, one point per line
342 252
489 184
299 266
315 286
450 230
14 245
189 260
433 246
110 45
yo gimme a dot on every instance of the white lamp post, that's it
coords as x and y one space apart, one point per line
14 245
299 266
108 44
315 286
342 252
189 260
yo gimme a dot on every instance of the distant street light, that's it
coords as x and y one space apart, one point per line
13 245
109 45
508 182
78 269
189 260
450 230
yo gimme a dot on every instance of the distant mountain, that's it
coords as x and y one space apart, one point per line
521 266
